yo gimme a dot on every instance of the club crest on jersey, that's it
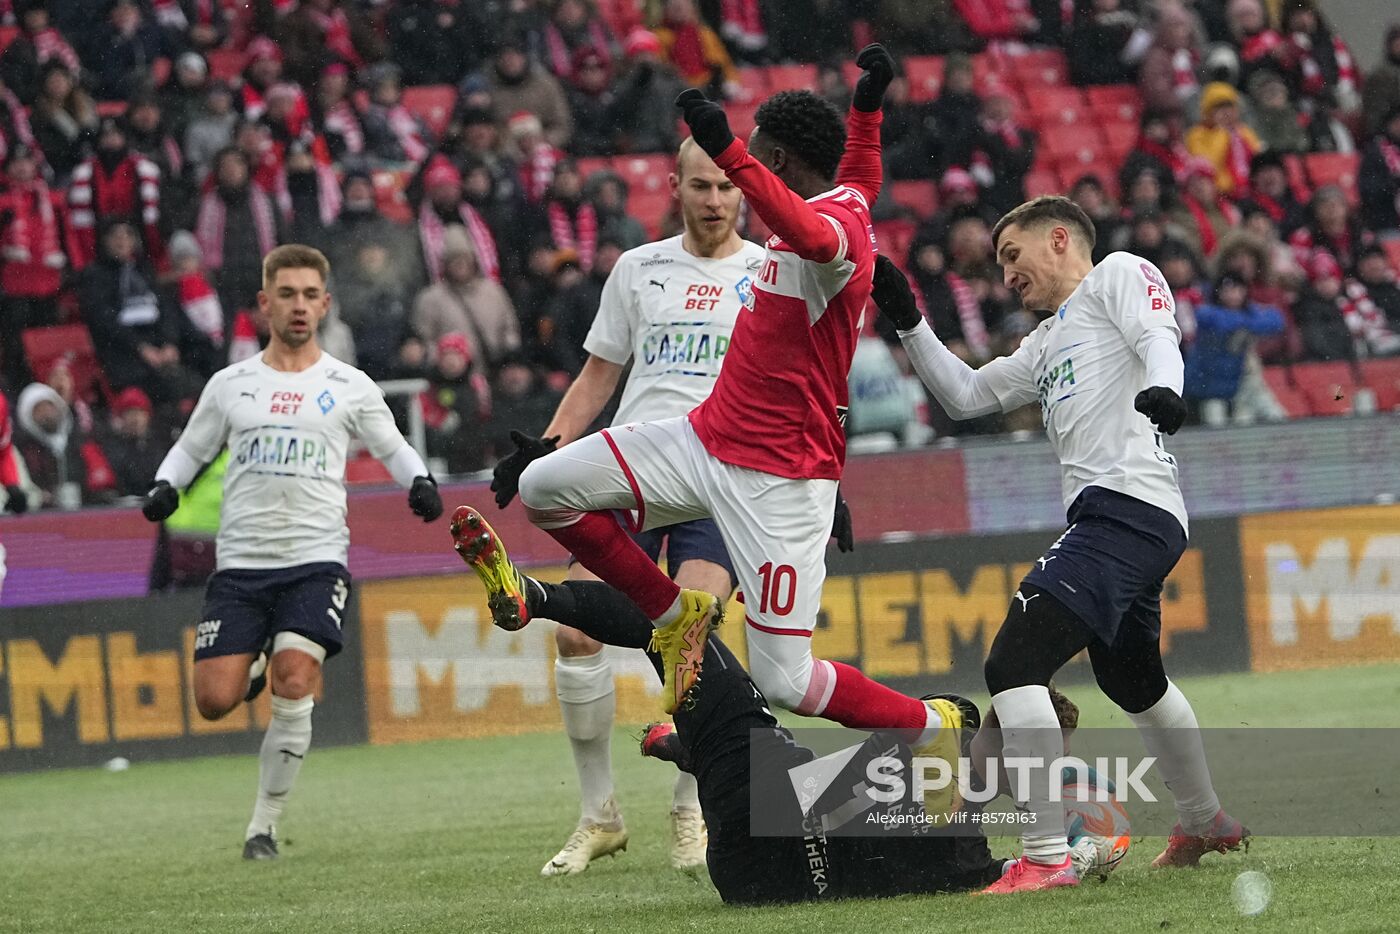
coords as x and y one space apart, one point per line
744 288
1151 276
326 401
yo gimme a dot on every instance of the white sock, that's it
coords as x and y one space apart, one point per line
1170 732
686 793
1029 728
673 613
283 749
584 685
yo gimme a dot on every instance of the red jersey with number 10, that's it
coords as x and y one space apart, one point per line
779 404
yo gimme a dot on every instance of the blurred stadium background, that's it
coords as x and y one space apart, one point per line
543 132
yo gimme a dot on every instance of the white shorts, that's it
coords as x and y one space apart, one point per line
775 528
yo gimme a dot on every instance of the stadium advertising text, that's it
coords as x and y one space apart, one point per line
1322 586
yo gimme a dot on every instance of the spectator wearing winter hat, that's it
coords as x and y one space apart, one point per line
1273 116
644 87
516 85
443 204
1259 45
64 117
572 221
1379 178
149 135
393 134
1088 192
181 99
1336 322
1321 60
51 447
534 154
593 103
203 324
32 260
1381 94
38 43
319 32
463 301
360 222
114 183
1271 190
210 130
1170 76
1203 212
457 405
1222 139
132 447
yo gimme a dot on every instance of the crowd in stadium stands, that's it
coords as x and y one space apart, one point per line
474 168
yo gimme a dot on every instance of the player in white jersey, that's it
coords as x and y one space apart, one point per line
1106 368
668 309
273 608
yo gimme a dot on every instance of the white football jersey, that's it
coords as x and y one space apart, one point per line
284 493
1082 366
671 313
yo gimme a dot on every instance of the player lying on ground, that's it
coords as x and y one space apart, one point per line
1105 366
728 738
763 453
273 608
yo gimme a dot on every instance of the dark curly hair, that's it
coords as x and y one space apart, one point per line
808 126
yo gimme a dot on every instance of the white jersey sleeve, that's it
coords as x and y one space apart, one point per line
614 328
207 431
1003 384
1135 296
371 421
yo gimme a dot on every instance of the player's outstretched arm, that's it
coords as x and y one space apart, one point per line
578 409
861 166
795 221
1001 385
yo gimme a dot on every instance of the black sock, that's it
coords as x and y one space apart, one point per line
599 611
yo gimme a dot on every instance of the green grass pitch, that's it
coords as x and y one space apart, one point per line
450 836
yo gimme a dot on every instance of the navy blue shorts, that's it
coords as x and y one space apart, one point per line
698 538
1109 565
244 608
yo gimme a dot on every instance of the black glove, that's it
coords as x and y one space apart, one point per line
1163 406
505 479
162 500
15 500
892 293
424 498
841 525
706 120
878 66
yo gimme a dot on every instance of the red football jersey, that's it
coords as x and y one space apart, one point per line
779 404
9 470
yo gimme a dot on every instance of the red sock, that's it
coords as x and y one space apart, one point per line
600 545
863 704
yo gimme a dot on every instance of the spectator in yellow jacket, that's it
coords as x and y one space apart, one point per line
693 48
1222 138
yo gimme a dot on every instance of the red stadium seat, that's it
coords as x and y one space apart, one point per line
111 108
1121 138
925 74
648 180
740 114
1297 177
8 34
433 104
43 347
1328 387
364 469
1335 168
1039 68
1382 377
590 164
1051 108
1084 144
1293 402
754 81
791 77
226 64
921 197
389 195
1120 102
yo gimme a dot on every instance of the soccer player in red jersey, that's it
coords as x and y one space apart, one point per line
763 453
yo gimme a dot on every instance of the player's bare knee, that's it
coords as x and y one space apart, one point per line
574 643
214 701
295 666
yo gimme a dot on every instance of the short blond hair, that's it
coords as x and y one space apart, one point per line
294 256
